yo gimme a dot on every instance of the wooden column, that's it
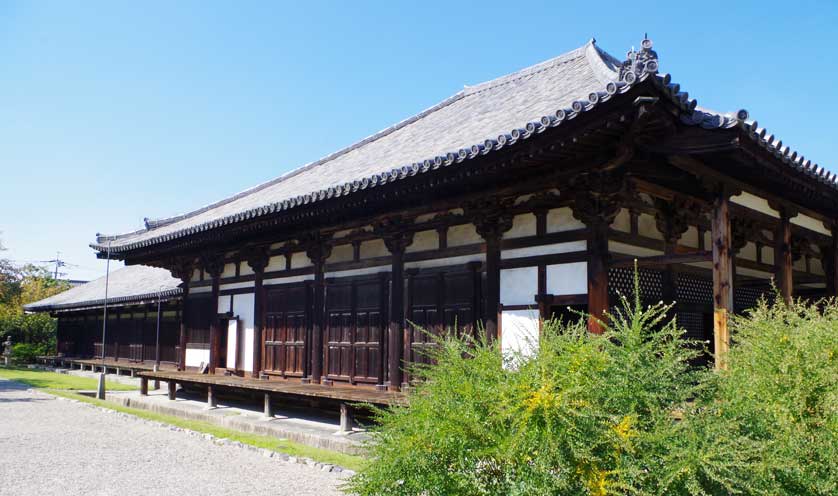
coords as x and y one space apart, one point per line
722 276
597 276
258 259
397 238
829 261
182 269
491 219
672 220
213 265
318 251
783 263
596 203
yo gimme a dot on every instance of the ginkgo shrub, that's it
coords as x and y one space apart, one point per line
619 413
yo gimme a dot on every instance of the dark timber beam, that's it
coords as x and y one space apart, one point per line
258 259
397 238
722 275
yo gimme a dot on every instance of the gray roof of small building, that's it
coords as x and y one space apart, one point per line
131 284
471 123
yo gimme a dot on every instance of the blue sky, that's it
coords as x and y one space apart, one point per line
115 111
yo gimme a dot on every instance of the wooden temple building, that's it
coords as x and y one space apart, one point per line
141 300
504 204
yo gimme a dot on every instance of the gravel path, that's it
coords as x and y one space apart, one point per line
55 446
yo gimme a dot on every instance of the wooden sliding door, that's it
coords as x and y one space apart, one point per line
285 329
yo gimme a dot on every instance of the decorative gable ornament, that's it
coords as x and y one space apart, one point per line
638 63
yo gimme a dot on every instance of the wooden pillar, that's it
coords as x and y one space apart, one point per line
597 276
213 265
397 238
172 386
143 386
318 251
382 332
722 276
596 202
258 259
829 261
782 255
492 218
182 269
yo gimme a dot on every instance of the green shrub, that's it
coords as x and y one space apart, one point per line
621 413
582 415
24 353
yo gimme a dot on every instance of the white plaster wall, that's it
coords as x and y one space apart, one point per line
444 262
288 280
768 255
708 240
423 241
196 275
194 357
202 289
690 237
374 248
749 251
341 253
170 313
224 302
817 267
359 272
522 225
464 234
519 334
567 279
275 263
243 308
518 286
800 264
623 221
646 226
561 219
750 272
244 269
237 285
811 223
755 203
229 270
626 249
532 251
232 344
300 260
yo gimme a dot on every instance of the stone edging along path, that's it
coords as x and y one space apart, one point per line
221 441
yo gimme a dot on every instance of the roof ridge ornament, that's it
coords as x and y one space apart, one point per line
639 63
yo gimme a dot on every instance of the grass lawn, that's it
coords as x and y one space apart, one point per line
51 380
268 442
66 385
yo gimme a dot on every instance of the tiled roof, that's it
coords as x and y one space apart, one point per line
472 123
131 284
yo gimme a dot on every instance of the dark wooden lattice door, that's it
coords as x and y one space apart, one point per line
285 330
355 323
440 303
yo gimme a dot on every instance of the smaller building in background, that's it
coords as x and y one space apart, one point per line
137 297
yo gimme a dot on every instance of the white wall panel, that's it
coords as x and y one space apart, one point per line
518 286
755 203
243 308
465 234
423 241
522 225
532 251
567 279
810 223
519 332
300 260
374 248
444 262
561 219
194 357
